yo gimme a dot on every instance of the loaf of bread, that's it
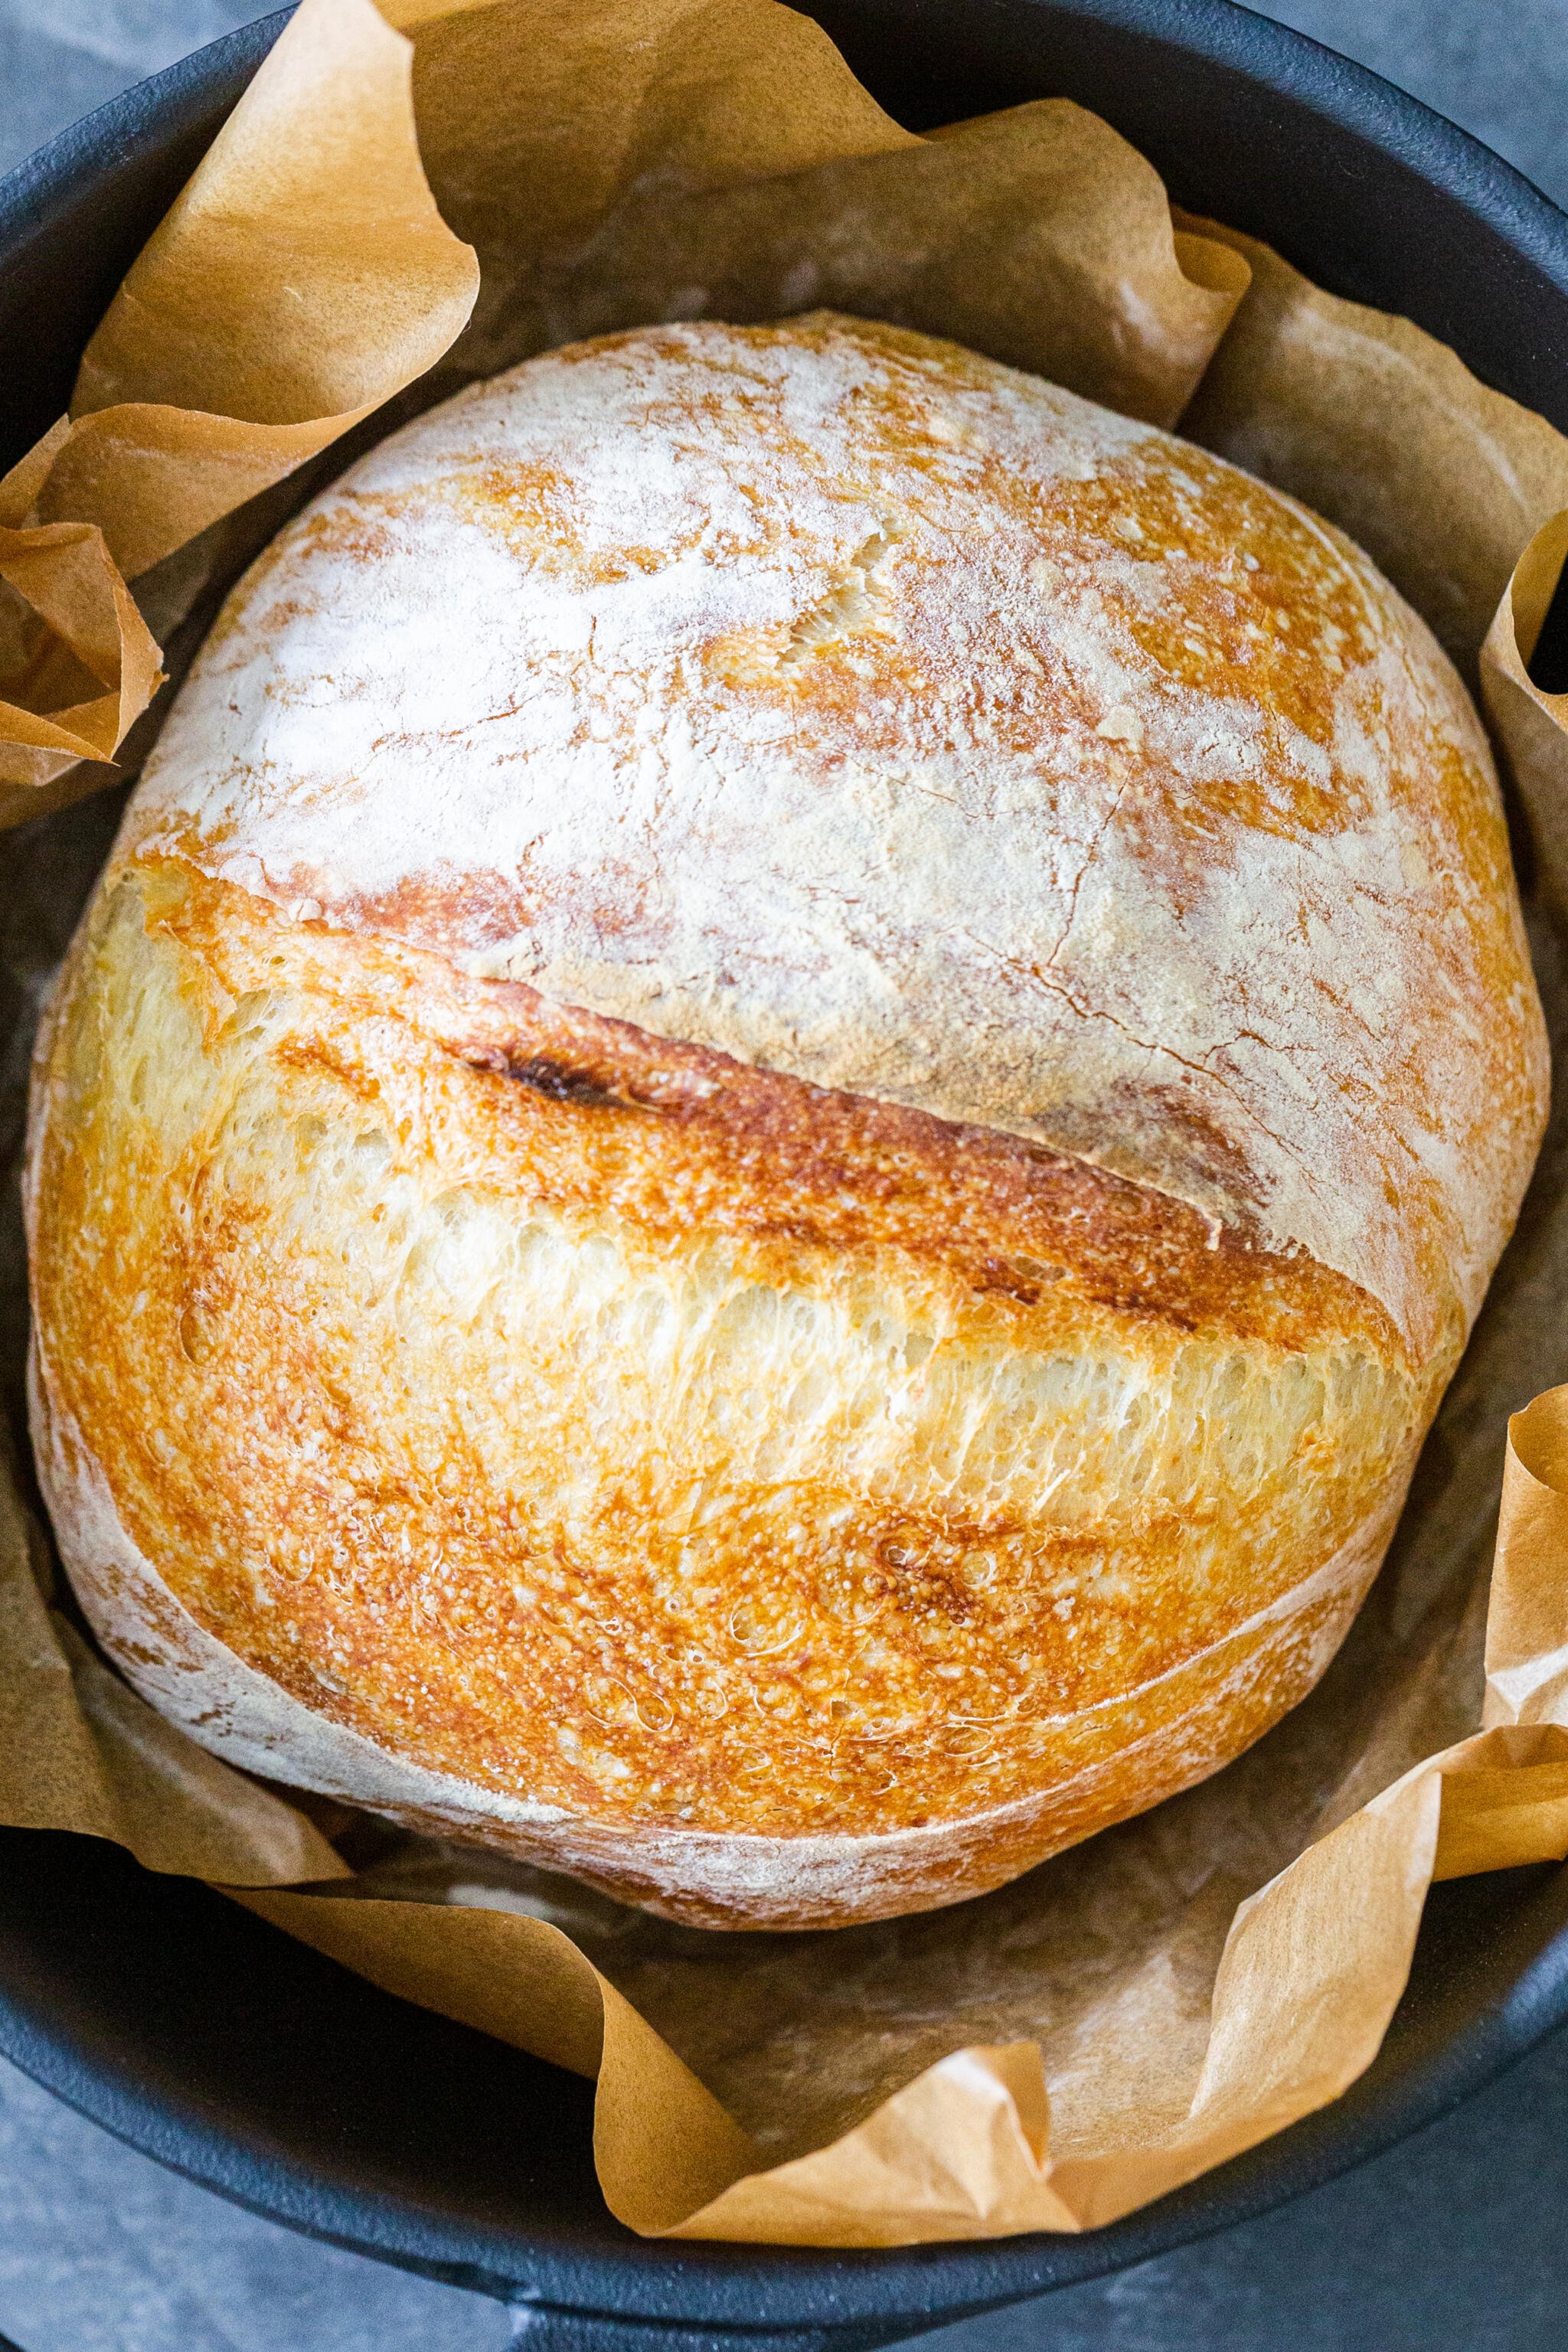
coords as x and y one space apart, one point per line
795 1081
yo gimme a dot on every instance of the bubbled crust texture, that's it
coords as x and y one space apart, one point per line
666 1443
698 1448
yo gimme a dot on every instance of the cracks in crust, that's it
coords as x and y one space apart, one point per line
1203 1067
1091 853
1152 1047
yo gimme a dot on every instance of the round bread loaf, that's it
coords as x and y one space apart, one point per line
795 1081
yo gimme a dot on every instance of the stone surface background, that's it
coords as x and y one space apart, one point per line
1455 2243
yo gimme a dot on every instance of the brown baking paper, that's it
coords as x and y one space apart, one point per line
1065 2048
304 275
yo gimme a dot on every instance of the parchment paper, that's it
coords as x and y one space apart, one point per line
304 275
1063 2049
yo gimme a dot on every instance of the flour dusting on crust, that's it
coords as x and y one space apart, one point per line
842 701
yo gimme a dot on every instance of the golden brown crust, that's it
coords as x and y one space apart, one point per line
604 1116
788 1099
647 1625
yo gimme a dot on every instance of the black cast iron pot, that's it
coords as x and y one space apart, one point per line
251 2065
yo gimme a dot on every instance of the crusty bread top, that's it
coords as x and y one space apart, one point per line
833 699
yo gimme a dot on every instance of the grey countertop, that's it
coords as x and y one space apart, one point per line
1455 2243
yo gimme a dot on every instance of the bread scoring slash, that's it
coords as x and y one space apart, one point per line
793 1084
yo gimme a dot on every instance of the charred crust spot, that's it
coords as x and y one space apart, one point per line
556 1081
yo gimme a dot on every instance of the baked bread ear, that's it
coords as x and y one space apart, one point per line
793 1084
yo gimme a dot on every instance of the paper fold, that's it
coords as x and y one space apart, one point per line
303 277
1531 726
